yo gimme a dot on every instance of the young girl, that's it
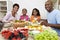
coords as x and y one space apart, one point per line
35 15
24 16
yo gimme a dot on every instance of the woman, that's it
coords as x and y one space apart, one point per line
11 15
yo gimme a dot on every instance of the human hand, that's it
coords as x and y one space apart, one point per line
44 23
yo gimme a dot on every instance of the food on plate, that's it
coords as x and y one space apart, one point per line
19 23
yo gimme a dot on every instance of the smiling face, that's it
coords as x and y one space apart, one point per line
35 12
49 6
15 9
24 11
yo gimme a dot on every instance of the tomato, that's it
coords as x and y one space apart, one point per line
18 38
14 38
15 32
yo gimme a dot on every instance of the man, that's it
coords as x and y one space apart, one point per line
53 17
12 15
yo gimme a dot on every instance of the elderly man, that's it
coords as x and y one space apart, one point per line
53 17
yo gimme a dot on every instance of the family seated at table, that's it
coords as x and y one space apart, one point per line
11 16
53 16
